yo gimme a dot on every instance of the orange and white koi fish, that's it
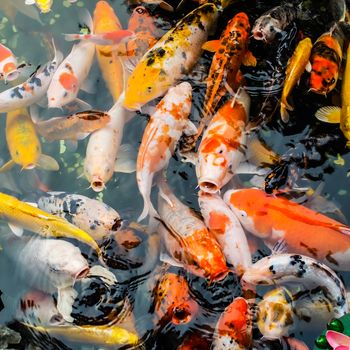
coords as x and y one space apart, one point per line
8 64
24 144
171 58
103 147
106 20
234 328
72 72
160 137
227 230
279 220
187 239
74 127
32 90
300 270
173 301
231 50
220 151
326 58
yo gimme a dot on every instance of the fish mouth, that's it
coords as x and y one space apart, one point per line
29 166
257 35
181 314
82 273
57 319
209 186
12 75
97 185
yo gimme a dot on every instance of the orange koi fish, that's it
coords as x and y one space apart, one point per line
160 138
304 231
173 301
8 64
234 328
187 239
219 153
326 57
230 52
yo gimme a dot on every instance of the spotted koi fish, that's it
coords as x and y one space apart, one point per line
230 52
301 270
279 220
220 151
187 239
171 58
159 140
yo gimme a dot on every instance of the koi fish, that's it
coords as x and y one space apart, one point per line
26 216
109 38
32 90
220 151
332 114
227 230
74 127
187 239
24 144
173 301
44 5
234 327
160 137
102 149
326 57
231 50
106 20
272 23
301 270
72 72
295 68
172 57
8 64
94 217
275 313
279 220
104 335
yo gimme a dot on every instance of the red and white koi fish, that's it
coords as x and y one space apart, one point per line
8 64
160 138
278 220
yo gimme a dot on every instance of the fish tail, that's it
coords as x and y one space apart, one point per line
148 209
284 112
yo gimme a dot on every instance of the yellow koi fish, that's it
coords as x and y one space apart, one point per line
23 143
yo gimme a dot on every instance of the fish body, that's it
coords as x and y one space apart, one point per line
73 127
23 143
272 23
300 270
326 57
220 151
171 58
295 69
227 230
234 328
8 64
276 220
32 90
160 137
94 217
230 51
189 241
106 20
173 301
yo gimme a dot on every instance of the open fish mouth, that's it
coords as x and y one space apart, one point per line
209 186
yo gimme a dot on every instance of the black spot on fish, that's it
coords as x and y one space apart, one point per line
184 55
201 26
150 61
16 93
272 270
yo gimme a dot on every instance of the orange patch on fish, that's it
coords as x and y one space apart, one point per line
218 222
69 81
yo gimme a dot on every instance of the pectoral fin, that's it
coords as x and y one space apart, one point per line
212 45
17 230
65 301
125 162
47 163
249 59
329 114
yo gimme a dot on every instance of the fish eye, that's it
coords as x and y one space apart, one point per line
140 10
242 214
332 81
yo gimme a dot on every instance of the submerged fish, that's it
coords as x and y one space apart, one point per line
8 64
74 127
171 58
160 137
23 143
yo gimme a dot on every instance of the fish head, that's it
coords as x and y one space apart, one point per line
9 69
266 29
142 21
275 313
105 19
241 21
323 76
235 324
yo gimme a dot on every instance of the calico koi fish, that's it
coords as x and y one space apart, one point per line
187 239
295 68
301 270
231 50
172 57
23 143
234 328
74 127
227 230
160 137
173 301
8 64
220 151
326 57
279 220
